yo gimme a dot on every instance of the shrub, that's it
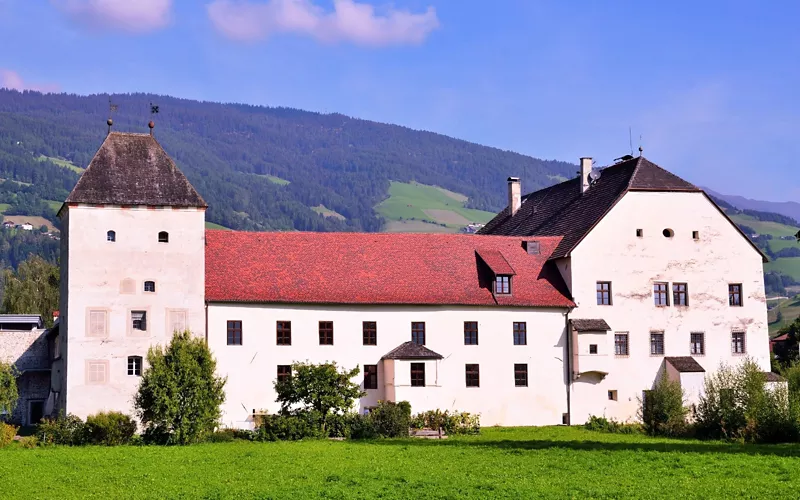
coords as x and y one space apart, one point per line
7 433
662 412
338 425
109 428
221 436
64 430
362 427
8 388
289 428
29 442
602 424
450 423
391 420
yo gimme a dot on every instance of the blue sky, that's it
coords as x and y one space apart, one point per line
711 87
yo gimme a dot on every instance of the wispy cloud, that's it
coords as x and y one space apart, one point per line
132 16
12 80
350 21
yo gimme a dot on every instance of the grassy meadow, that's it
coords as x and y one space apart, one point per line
552 462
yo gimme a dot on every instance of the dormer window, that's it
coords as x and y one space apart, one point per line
163 237
111 236
502 284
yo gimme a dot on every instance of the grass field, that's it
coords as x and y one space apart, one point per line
211 225
421 202
774 228
4 207
327 212
552 462
62 163
55 205
789 309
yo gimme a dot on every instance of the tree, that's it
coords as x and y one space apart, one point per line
179 395
662 411
321 388
786 352
8 388
32 289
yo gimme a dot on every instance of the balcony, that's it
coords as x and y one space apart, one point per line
592 363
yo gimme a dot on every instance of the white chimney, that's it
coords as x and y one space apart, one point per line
514 194
586 167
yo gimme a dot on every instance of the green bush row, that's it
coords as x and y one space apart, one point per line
104 428
451 423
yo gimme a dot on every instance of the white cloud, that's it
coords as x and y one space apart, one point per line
350 21
12 80
133 16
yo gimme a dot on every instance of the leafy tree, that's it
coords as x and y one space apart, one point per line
32 289
8 388
179 395
662 411
786 352
322 388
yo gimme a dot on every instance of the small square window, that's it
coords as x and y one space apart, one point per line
326 333
592 348
417 374
370 332
139 320
473 375
470 333
639 233
370 376
284 372
612 395
283 333
135 366
695 235
163 237
111 236
96 372
234 333
603 293
150 286
520 333
520 375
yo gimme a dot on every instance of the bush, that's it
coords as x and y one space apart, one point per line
64 430
391 420
29 442
8 388
662 412
337 425
109 428
362 427
7 433
602 424
450 423
221 436
289 428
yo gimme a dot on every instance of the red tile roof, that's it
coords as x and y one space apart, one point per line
375 268
496 262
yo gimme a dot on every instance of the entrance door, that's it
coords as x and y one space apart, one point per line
36 412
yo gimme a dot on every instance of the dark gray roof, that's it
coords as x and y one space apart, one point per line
773 377
589 325
133 169
561 210
685 364
410 350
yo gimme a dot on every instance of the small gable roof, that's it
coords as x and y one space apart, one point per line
411 350
133 169
590 325
496 262
685 364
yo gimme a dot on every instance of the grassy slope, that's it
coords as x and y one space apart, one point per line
790 266
502 463
790 309
36 221
211 225
327 212
62 163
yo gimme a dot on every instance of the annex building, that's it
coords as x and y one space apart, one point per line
569 303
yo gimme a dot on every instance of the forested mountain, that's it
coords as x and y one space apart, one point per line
229 152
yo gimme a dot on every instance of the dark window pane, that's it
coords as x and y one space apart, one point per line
370 333
660 296
520 333
473 376
470 333
621 344
604 293
284 372
326 333
656 344
521 375
284 333
697 343
417 374
418 332
680 294
502 285
735 294
234 333
370 376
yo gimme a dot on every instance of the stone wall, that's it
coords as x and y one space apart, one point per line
28 352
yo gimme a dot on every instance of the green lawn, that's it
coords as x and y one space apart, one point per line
774 228
55 205
4 207
789 309
211 225
62 163
785 265
552 462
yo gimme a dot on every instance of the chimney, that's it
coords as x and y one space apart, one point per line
514 194
586 167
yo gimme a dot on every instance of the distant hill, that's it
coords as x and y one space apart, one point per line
787 208
259 168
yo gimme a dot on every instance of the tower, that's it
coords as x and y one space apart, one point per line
132 271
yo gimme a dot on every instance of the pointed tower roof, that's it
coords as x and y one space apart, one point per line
133 169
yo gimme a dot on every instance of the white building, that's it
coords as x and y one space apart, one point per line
587 292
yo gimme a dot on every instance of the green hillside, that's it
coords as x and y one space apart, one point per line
783 314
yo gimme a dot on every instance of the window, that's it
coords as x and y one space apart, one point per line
520 375
697 343
111 236
163 237
737 343
418 332
639 233
370 376
680 294
592 348
96 372
603 293
668 233
417 374
283 335
470 333
284 372
502 285
660 296
98 321
139 320
234 333
735 294
695 235
177 321
127 286
473 376
370 331
326 333
149 286
135 366
620 344
656 343
612 395
520 333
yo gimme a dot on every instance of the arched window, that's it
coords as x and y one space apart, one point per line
163 237
149 286
135 366
111 236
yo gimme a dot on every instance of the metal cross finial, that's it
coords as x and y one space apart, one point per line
153 109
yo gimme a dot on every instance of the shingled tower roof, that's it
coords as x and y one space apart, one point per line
133 169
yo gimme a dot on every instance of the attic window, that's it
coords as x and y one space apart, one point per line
502 285
111 236
532 247
695 235
668 233
639 233
163 237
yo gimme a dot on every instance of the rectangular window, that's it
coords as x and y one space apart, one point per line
234 333
370 376
96 372
418 332
97 323
417 374
150 286
284 372
695 235
520 333
603 293
639 233
473 375
697 343
502 285
660 297
612 395
737 343
326 333
680 294
592 348
283 333
520 375
177 321
656 343
470 333
135 366
139 320
735 294
621 344
370 332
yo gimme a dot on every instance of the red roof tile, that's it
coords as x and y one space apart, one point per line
375 268
496 262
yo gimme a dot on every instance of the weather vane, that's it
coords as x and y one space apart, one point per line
153 111
111 108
